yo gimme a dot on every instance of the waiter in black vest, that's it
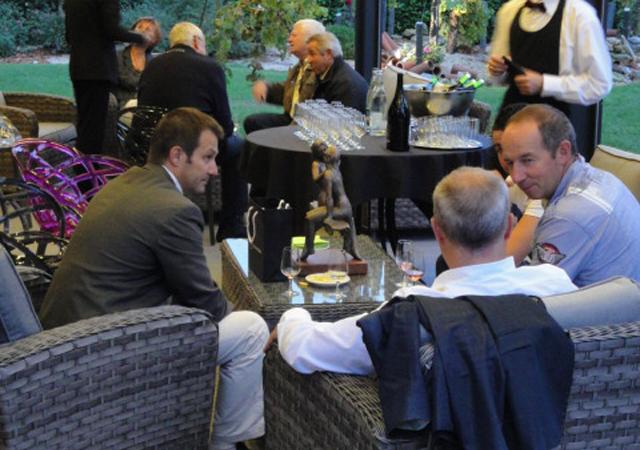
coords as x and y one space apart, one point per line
554 52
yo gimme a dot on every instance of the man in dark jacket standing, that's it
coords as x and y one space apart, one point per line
185 76
337 81
92 26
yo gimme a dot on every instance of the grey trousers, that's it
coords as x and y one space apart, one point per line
239 412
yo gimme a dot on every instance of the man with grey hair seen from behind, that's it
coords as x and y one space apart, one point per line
337 81
298 87
185 76
472 224
590 225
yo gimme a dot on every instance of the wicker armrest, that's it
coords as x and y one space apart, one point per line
138 379
23 119
48 108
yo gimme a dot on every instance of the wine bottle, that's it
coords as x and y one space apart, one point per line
398 121
376 102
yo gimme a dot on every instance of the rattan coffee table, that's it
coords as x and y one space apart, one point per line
364 292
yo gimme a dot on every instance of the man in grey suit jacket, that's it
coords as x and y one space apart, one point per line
139 245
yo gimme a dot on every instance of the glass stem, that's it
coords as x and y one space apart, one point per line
290 285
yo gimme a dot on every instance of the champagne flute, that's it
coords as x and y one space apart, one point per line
404 255
338 270
290 267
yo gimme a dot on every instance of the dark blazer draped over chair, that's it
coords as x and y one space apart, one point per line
501 373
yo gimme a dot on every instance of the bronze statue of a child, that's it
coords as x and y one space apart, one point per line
334 208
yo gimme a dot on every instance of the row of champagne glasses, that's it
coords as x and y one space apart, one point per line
332 122
445 131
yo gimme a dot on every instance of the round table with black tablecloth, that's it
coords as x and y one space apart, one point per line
278 165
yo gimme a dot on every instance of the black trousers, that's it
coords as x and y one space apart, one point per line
260 121
92 101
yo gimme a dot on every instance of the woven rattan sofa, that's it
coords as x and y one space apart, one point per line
332 411
141 379
46 116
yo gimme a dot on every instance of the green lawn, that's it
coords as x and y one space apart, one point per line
620 120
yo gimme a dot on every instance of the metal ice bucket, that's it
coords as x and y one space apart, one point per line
423 102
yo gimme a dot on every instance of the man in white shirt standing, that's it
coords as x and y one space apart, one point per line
472 224
560 48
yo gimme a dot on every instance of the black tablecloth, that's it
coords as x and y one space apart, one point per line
278 165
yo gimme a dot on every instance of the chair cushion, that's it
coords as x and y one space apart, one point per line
624 165
17 317
609 302
61 132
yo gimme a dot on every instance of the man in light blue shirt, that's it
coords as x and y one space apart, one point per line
590 227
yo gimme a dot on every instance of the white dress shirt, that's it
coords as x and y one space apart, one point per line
585 75
310 346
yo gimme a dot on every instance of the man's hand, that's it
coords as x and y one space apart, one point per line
272 338
259 91
530 83
496 66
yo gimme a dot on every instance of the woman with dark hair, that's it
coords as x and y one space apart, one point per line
134 58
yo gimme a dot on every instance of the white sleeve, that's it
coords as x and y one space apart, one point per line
310 346
585 64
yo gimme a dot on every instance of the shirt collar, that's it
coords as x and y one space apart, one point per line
461 275
569 175
173 178
550 5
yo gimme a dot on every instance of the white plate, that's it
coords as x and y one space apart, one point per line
325 280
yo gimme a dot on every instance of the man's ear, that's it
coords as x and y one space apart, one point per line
437 231
564 151
511 222
175 156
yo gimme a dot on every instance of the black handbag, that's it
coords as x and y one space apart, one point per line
269 230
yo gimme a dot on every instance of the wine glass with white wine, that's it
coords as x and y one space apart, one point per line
290 267
338 272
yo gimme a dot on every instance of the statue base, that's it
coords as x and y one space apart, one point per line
322 260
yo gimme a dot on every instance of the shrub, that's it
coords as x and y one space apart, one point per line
467 19
46 29
408 12
347 36
11 27
259 24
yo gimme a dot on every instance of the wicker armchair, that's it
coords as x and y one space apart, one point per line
41 115
138 379
331 411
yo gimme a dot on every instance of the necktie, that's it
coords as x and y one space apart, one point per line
536 6
296 88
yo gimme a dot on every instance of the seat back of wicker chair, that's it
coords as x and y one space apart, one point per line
136 379
17 316
135 127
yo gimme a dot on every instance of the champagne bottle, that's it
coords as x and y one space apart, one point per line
398 121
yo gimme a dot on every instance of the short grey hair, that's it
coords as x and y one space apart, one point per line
183 33
554 126
309 27
471 206
327 41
